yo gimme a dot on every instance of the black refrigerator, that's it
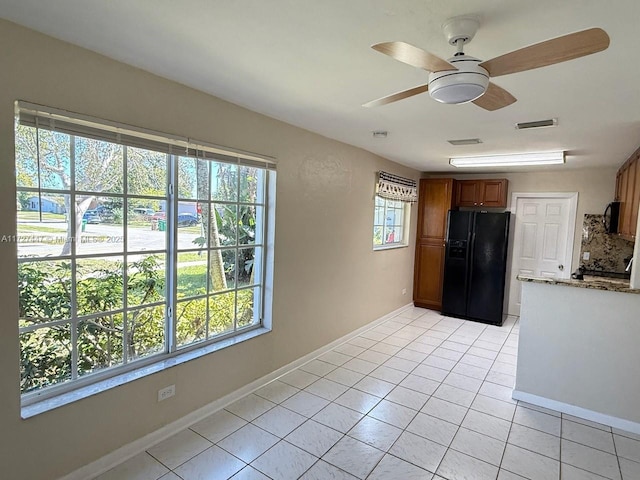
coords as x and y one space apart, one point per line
475 265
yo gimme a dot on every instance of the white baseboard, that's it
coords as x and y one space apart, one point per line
598 417
132 449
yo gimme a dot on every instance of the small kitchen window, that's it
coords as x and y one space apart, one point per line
392 209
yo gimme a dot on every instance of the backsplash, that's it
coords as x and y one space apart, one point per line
607 252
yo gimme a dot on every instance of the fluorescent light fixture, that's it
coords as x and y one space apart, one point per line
511 160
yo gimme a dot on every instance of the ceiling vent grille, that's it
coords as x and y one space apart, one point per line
465 141
552 122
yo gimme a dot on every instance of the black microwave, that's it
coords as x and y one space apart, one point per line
611 217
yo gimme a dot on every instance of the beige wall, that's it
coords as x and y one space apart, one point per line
328 281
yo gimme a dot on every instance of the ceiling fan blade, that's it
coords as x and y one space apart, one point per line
494 98
414 56
397 96
556 50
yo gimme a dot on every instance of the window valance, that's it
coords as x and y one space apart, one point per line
394 187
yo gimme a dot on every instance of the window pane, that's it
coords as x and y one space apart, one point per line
99 285
191 231
247 257
193 179
224 182
42 226
45 357
145 332
394 235
222 266
108 210
250 178
222 311
146 229
146 279
96 236
191 317
377 235
192 274
45 291
99 343
98 166
146 172
226 226
54 161
248 311
26 157
249 229
379 215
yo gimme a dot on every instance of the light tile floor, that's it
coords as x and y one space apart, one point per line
419 397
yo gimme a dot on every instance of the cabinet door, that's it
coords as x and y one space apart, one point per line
631 181
635 204
434 203
625 208
429 268
493 193
467 193
624 177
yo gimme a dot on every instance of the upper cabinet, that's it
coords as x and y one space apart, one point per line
434 203
481 193
628 194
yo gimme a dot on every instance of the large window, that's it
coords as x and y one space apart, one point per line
131 249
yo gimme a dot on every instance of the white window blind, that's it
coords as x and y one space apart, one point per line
33 115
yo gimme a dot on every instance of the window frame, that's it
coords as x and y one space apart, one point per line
404 226
171 354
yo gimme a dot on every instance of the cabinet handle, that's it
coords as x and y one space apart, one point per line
481 203
475 203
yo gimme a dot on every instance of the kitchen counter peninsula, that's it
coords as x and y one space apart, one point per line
597 283
578 348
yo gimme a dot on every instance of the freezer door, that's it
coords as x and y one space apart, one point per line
488 267
456 264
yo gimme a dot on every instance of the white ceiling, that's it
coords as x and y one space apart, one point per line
308 63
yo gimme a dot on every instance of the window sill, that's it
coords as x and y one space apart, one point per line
390 247
66 398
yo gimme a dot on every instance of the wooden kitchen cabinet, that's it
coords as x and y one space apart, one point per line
628 194
481 193
434 202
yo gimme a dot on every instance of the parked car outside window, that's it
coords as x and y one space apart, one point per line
91 216
187 220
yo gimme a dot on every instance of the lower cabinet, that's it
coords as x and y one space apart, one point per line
429 268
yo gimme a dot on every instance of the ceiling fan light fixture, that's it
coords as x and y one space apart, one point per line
510 160
464 85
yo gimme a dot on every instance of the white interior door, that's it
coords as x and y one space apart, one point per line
543 239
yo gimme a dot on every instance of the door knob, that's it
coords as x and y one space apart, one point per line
561 267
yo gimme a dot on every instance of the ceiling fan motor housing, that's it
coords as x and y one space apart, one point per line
464 85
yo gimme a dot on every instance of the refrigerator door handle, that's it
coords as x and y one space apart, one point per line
471 245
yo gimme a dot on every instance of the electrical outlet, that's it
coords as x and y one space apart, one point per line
404 291
166 392
586 255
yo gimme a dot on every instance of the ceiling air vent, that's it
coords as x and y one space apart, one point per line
465 141
552 122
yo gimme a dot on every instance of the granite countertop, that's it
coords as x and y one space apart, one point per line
597 283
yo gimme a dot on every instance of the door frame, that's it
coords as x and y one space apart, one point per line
571 231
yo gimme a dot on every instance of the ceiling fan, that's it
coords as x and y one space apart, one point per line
463 78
